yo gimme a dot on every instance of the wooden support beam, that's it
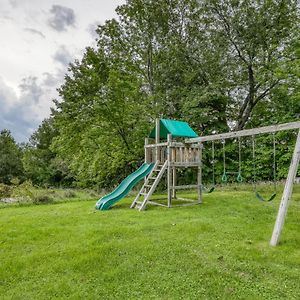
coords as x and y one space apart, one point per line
155 145
286 194
246 132
157 138
199 176
147 156
185 164
156 203
184 187
169 173
174 183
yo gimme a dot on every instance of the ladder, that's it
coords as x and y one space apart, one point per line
149 186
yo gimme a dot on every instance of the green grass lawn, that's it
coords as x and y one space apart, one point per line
217 250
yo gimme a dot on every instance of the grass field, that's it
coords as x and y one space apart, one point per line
217 250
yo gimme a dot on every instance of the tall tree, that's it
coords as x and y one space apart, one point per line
10 158
40 163
256 36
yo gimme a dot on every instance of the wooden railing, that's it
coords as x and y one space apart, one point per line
180 154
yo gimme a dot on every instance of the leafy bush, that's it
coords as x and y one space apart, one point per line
42 199
24 190
5 190
69 194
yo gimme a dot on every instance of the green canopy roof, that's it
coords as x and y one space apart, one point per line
176 128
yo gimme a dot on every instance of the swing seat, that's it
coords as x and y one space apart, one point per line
211 190
261 198
208 191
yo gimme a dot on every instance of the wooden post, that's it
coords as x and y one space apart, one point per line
157 138
199 175
147 159
174 183
286 194
169 173
173 158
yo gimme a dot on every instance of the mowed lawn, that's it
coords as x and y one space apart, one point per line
217 250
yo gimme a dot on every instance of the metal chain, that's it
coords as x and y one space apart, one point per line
253 162
213 161
274 161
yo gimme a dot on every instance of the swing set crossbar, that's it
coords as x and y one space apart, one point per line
246 132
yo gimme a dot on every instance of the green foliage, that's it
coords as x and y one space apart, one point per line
40 163
218 65
10 158
5 190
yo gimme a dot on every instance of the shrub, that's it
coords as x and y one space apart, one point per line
5 190
24 190
69 194
42 199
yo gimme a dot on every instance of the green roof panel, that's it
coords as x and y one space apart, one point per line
176 128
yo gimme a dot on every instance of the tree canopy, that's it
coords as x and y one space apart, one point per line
219 65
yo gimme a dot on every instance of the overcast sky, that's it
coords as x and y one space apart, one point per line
38 38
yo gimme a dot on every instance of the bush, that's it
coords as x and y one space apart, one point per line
69 194
42 199
5 190
24 190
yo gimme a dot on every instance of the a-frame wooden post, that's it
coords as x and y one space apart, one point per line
286 194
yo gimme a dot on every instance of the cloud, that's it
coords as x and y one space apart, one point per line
22 114
63 56
14 3
91 29
62 17
34 31
30 90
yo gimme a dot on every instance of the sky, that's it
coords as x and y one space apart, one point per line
38 39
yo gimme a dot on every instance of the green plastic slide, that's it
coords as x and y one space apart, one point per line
124 188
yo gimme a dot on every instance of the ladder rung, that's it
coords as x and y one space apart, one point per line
144 194
152 178
148 185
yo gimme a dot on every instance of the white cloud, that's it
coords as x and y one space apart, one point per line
62 17
63 56
29 47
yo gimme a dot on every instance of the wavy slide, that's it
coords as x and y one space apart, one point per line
124 188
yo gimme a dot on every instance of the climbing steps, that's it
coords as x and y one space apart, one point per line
149 186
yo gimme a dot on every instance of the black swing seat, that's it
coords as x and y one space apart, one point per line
207 190
261 198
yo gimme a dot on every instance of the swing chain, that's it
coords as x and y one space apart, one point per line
224 176
274 162
239 177
213 161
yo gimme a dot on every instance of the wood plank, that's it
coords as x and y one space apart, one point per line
286 194
143 187
185 164
154 185
169 174
199 177
155 145
156 203
186 204
246 132
184 187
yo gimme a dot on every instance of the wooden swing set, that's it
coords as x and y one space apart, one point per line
170 155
